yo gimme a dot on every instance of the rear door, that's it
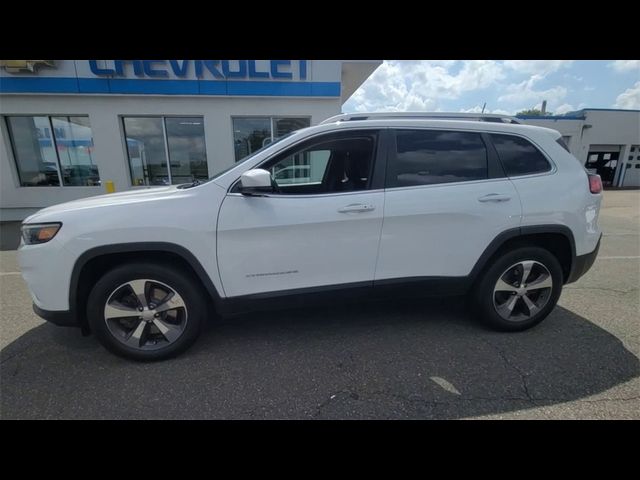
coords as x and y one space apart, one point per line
446 199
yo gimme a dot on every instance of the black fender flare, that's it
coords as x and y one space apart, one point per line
116 248
516 232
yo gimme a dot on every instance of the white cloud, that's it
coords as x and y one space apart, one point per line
478 109
415 85
630 98
525 93
623 66
434 84
537 67
564 108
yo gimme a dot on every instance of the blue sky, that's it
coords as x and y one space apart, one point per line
506 86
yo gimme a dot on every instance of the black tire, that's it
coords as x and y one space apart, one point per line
482 298
178 280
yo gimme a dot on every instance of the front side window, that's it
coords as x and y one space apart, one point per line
427 157
53 151
253 133
165 150
519 156
333 163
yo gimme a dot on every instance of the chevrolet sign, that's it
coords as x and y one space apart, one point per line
17 66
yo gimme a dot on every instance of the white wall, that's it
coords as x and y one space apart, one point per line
110 150
571 128
601 128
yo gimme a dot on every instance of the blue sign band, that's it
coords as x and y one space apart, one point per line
168 87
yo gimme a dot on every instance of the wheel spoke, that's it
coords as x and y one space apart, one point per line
533 308
526 270
138 288
503 286
506 309
136 337
543 281
170 332
112 311
172 301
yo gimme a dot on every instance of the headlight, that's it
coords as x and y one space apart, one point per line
35 233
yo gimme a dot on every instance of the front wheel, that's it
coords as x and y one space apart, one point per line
146 311
519 290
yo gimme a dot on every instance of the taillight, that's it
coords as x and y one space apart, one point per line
595 183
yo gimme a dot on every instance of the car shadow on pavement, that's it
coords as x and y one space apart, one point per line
392 360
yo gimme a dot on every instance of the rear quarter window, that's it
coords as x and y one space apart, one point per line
562 143
519 156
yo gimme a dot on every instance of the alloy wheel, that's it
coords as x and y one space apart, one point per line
145 314
522 290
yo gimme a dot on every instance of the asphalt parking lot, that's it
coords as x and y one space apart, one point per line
418 360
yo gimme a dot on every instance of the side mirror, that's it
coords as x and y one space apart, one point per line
256 182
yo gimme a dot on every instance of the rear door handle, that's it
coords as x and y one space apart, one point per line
494 197
356 208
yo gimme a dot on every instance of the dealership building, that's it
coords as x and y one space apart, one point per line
74 128
606 141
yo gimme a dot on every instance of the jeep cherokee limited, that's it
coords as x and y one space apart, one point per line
385 206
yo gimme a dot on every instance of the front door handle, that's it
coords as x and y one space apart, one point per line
494 197
356 208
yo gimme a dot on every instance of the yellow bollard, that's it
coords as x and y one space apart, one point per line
109 186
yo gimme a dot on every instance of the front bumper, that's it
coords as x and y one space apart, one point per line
62 318
582 263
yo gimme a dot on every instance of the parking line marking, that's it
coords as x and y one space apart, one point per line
2 274
448 386
619 258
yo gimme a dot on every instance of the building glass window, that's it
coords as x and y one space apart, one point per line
249 135
165 150
53 151
253 133
187 153
75 145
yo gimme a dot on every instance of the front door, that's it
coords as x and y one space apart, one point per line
320 227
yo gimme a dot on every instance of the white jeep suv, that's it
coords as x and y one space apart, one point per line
390 207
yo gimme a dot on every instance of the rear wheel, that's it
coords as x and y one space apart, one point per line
146 311
519 290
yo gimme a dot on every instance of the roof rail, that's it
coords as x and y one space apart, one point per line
480 117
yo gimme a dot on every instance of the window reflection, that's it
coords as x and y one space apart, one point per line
427 157
74 144
252 133
187 153
50 149
145 146
249 135
147 142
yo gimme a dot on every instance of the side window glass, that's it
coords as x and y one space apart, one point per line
303 168
426 157
338 162
519 156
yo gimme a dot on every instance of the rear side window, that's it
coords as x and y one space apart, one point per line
519 156
426 157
